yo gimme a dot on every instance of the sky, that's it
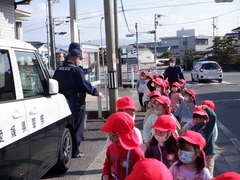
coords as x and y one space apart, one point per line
175 15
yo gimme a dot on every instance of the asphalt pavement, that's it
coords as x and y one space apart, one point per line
227 156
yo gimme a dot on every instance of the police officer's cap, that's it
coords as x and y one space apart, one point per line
74 45
75 52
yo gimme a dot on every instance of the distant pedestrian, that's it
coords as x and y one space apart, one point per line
124 152
173 72
140 83
74 86
192 160
150 169
163 145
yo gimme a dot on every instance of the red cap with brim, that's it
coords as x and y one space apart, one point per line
126 102
123 125
209 103
143 72
227 176
176 84
200 111
154 93
150 169
166 123
165 100
197 139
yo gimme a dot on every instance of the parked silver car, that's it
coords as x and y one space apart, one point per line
207 70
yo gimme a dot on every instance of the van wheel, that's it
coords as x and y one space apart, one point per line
220 80
65 152
192 78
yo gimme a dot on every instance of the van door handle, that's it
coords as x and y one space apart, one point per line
33 111
17 114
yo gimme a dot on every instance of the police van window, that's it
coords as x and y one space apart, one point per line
30 73
7 90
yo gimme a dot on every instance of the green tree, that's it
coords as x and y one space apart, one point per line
223 49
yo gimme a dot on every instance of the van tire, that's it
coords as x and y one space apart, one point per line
65 152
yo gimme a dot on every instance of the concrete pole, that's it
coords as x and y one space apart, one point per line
111 56
73 20
155 38
119 64
51 36
137 46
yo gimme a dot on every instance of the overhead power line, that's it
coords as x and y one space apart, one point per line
124 15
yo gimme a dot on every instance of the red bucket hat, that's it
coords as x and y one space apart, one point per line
195 138
123 125
166 101
176 84
143 72
159 82
154 93
166 123
199 110
150 77
191 92
161 76
227 176
209 103
150 169
126 102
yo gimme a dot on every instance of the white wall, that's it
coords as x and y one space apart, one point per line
7 18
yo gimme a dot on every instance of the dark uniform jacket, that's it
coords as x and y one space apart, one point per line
73 85
174 74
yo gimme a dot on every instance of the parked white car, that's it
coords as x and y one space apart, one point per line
207 70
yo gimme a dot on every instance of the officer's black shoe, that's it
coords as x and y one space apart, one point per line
79 155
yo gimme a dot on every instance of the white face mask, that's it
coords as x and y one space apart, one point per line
157 112
171 64
160 139
185 156
133 117
174 89
159 89
186 98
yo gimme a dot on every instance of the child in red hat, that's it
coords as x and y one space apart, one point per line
175 96
162 105
159 85
124 152
205 119
127 104
184 111
150 169
153 95
182 83
191 123
163 145
191 163
139 87
146 89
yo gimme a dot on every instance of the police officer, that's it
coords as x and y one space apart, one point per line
75 45
72 83
173 72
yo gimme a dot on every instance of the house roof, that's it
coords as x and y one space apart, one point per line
37 44
236 29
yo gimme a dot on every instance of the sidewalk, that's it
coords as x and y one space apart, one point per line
227 156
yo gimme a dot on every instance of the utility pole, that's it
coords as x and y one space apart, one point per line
156 17
214 25
111 56
155 38
51 36
119 64
136 27
73 21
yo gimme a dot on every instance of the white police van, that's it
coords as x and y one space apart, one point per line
36 125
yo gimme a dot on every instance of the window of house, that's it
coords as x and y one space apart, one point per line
201 41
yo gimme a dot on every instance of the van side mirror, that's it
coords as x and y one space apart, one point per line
53 86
